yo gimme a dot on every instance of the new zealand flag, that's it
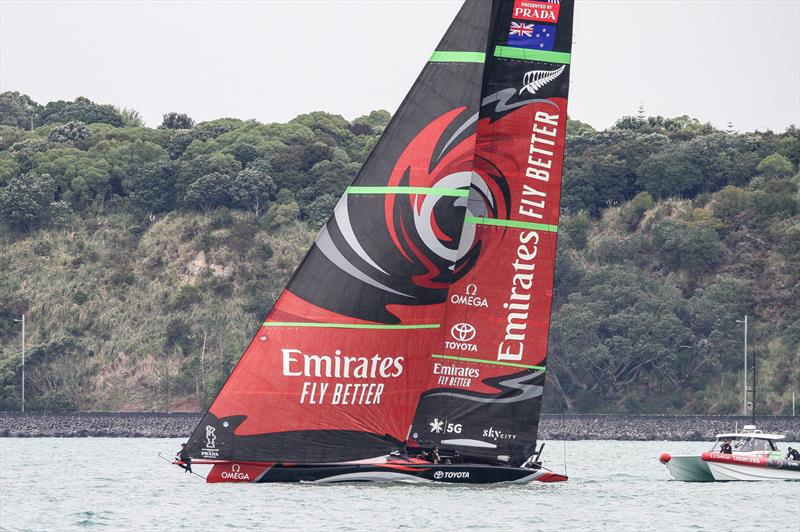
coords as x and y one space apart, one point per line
530 35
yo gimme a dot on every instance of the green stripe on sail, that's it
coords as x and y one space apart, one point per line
525 54
511 223
490 362
348 325
428 191
457 57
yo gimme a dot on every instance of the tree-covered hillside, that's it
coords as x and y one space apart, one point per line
144 258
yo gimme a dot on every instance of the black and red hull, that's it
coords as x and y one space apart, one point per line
257 472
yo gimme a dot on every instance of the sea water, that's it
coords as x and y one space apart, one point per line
120 483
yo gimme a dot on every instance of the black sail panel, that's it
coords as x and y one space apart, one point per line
381 249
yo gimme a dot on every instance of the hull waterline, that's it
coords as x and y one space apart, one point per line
389 472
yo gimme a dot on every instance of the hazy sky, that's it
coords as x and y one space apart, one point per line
271 60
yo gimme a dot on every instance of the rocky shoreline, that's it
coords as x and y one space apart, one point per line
552 426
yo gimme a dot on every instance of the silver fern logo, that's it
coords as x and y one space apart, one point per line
536 79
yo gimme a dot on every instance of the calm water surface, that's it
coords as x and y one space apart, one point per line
112 483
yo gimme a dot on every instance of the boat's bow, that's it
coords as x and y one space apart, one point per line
687 468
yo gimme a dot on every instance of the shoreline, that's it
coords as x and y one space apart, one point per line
622 427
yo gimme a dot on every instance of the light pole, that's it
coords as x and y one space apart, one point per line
744 393
23 361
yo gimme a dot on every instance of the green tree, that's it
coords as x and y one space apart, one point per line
18 110
80 176
634 211
81 110
69 132
211 190
283 213
25 200
151 188
693 248
576 127
775 166
673 172
319 210
131 117
9 167
177 121
329 128
252 189
127 159
577 227
614 331
371 124
193 168
729 203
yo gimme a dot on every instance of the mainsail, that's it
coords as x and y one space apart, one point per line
421 313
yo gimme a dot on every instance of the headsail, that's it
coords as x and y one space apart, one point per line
487 377
337 368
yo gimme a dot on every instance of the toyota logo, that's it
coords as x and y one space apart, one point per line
463 332
438 474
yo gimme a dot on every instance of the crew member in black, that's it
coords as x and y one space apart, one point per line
725 448
183 456
793 454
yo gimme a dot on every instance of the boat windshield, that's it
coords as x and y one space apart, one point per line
736 444
757 444
746 444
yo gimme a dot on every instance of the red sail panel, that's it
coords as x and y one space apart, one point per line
513 278
486 379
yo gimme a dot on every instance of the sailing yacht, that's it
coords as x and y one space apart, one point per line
411 342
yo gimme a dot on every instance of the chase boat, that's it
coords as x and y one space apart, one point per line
755 456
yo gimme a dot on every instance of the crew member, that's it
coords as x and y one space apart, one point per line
793 454
725 448
435 457
185 459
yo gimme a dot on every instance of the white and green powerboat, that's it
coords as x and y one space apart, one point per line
753 455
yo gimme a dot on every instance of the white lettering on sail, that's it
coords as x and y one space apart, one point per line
532 205
340 367
295 363
452 375
470 298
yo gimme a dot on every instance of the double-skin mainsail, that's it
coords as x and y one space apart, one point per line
420 316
